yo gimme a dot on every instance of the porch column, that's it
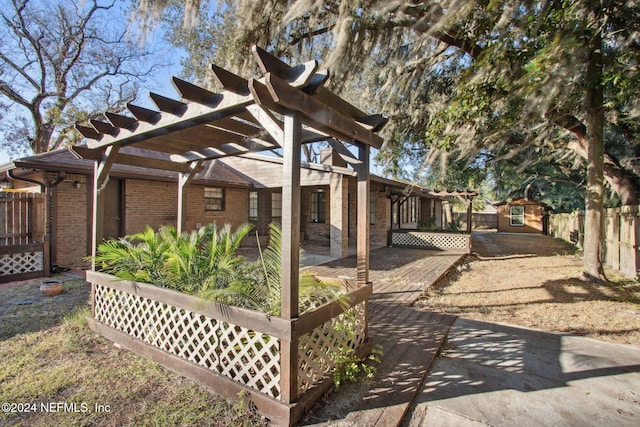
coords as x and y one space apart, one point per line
184 178
101 171
339 219
290 251
438 211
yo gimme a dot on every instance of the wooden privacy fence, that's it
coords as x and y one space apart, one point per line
23 245
479 220
231 349
621 236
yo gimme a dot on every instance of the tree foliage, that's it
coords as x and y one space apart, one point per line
62 62
457 78
556 78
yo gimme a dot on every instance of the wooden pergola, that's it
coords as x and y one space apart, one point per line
285 108
466 196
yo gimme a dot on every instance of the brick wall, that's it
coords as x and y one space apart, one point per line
236 208
71 223
378 230
156 204
151 203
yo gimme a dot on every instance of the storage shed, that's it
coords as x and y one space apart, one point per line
521 216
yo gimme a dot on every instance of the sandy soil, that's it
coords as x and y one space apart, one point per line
532 281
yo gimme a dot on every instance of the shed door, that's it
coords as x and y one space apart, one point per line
113 213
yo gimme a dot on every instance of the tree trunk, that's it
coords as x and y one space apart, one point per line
620 180
592 268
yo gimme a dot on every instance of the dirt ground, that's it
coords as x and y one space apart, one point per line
532 281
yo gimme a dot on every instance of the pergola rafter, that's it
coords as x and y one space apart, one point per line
286 108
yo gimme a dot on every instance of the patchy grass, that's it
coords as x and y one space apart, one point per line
24 309
533 281
57 360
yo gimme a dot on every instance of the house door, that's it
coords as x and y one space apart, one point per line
113 212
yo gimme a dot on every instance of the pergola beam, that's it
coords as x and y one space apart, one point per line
120 121
144 114
344 153
196 93
229 81
310 107
298 76
225 150
194 115
268 121
132 160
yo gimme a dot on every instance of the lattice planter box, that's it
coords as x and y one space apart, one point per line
432 240
230 349
21 262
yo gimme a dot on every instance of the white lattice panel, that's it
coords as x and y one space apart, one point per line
317 347
246 356
27 262
430 240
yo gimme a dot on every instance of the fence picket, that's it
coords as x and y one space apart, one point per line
621 229
21 257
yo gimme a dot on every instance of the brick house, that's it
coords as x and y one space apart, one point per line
231 190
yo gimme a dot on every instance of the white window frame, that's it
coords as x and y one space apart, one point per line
513 215
318 208
253 205
214 199
276 207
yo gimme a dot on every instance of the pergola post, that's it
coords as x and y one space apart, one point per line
362 275
290 250
101 170
184 178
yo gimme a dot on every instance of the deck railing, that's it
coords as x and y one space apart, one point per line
431 240
231 349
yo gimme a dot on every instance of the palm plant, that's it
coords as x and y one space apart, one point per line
139 257
264 292
189 262
205 263
206 259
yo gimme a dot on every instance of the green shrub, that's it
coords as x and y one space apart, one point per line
205 263
193 262
264 292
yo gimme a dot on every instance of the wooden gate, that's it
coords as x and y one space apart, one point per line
23 245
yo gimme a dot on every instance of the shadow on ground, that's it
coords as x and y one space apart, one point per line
492 245
501 375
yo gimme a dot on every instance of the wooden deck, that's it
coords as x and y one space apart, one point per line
411 338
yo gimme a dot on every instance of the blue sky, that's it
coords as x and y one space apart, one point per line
160 82
118 18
